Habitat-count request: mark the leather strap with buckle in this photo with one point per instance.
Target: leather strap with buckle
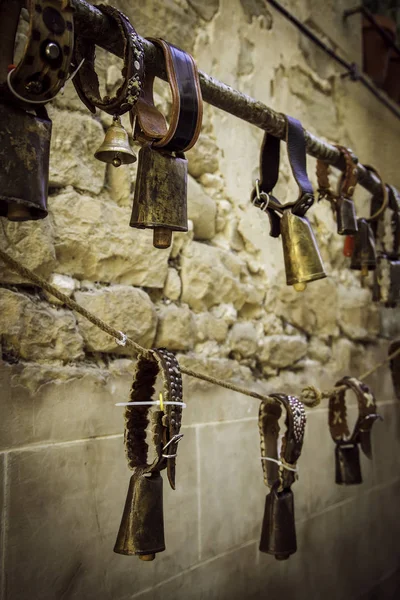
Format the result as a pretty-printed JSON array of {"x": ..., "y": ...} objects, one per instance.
[
  {"x": 165, "y": 424},
  {"x": 187, "y": 104},
  {"x": 45, "y": 64},
  {"x": 86, "y": 80},
  {"x": 269, "y": 172}
]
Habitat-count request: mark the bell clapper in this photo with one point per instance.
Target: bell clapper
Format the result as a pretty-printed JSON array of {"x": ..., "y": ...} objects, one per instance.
[
  {"x": 300, "y": 286},
  {"x": 162, "y": 237},
  {"x": 147, "y": 557},
  {"x": 17, "y": 212}
]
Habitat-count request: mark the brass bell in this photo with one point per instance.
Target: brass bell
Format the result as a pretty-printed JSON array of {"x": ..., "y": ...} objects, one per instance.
[
  {"x": 24, "y": 159},
  {"x": 160, "y": 200},
  {"x": 303, "y": 262},
  {"x": 142, "y": 526},
  {"x": 116, "y": 149},
  {"x": 364, "y": 254}
]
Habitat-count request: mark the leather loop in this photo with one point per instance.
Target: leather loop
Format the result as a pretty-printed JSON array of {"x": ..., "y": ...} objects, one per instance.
[
  {"x": 383, "y": 197},
  {"x": 86, "y": 81},
  {"x": 292, "y": 441},
  {"x": 187, "y": 104},
  {"x": 44, "y": 66},
  {"x": 165, "y": 425},
  {"x": 338, "y": 425}
]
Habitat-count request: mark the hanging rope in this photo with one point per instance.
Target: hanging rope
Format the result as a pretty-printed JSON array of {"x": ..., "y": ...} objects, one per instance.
[{"x": 311, "y": 396}]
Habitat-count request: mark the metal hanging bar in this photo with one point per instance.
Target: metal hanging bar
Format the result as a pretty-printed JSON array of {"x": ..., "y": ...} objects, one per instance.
[{"x": 94, "y": 25}]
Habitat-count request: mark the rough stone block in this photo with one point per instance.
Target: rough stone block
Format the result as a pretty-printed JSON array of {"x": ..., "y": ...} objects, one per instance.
[
  {"x": 64, "y": 284},
  {"x": 202, "y": 210},
  {"x": 313, "y": 310},
  {"x": 243, "y": 339},
  {"x": 66, "y": 504},
  {"x": 173, "y": 285},
  {"x": 176, "y": 328},
  {"x": 283, "y": 350},
  {"x": 126, "y": 308},
  {"x": 357, "y": 316},
  {"x": 210, "y": 276},
  {"x": 93, "y": 241},
  {"x": 75, "y": 138},
  {"x": 31, "y": 243},
  {"x": 210, "y": 327},
  {"x": 36, "y": 331},
  {"x": 203, "y": 157}
]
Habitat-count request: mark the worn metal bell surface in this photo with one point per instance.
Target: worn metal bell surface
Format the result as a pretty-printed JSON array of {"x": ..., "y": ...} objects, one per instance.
[
  {"x": 346, "y": 217},
  {"x": 303, "y": 262},
  {"x": 116, "y": 149},
  {"x": 348, "y": 468},
  {"x": 142, "y": 526},
  {"x": 364, "y": 254},
  {"x": 24, "y": 160},
  {"x": 160, "y": 195},
  {"x": 278, "y": 533}
]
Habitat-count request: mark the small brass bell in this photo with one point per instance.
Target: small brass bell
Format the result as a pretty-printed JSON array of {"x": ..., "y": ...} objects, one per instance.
[
  {"x": 160, "y": 195},
  {"x": 303, "y": 262},
  {"x": 116, "y": 149},
  {"x": 364, "y": 255}
]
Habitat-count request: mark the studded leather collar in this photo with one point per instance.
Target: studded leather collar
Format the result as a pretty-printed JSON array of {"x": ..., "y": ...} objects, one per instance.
[{"x": 165, "y": 425}]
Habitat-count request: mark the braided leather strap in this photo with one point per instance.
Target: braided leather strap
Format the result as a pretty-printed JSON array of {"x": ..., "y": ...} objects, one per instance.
[
  {"x": 367, "y": 415},
  {"x": 45, "y": 64},
  {"x": 86, "y": 81},
  {"x": 187, "y": 104},
  {"x": 165, "y": 425},
  {"x": 347, "y": 182},
  {"x": 275, "y": 474}
]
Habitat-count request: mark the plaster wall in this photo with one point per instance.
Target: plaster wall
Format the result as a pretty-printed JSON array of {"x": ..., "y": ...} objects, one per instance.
[{"x": 218, "y": 298}]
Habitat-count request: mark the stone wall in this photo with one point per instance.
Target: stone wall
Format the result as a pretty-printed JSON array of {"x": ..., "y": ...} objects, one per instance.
[{"x": 218, "y": 298}]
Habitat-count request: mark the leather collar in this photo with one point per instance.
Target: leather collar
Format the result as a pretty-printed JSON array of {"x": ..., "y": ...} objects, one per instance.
[
  {"x": 165, "y": 425},
  {"x": 187, "y": 104},
  {"x": 281, "y": 475},
  {"x": 367, "y": 415},
  {"x": 86, "y": 81}
]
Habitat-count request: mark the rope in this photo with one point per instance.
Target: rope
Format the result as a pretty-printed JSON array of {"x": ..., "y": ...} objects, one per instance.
[{"x": 310, "y": 396}]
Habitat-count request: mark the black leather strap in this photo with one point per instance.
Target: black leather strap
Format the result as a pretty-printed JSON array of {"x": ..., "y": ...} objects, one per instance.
[{"x": 269, "y": 171}]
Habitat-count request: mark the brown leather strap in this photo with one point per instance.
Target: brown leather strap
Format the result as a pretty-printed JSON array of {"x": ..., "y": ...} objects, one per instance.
[
  {"x": 165, "y": 425},
  {"x": 347, "y": 182},
  {"x": 382, "y": 198},
  {"x": 281, "y": 475},
  {"x": 187, "y": 104},
  {"x": 86, "y": 81},
  {"x": 367, "y": 414},
  {"x": 45, "y": 64}
]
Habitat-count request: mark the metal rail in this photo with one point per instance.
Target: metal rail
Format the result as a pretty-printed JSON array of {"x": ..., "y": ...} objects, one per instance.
[{"x": 94, "y": 25}]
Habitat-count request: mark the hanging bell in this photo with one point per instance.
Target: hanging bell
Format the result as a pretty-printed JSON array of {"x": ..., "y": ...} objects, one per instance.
[
  {"x": 278, "y": 533},
  {"x": 346, "y": 216},
  {"x": 303, "y": 262},
  {"x": 142, "y": 526},
  {"x": 347, "y": 459},
  {"x": 116, "y": 149},
  {"x": 24, "y": 159},
  {"x": 364, "y": 255},
  {"x": 160, "y": 201}
]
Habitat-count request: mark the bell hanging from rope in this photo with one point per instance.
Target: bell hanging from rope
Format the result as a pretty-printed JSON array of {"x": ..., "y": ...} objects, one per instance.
[
  {"x": 142, "y": 526},
  {"x": 364, "y": 254},
  {"x": 116, "y": 149},
  {"x": 24, "y": 159},
  {"x": 278, "y": 533},
  {"x": 160, "y": 195},
  {"x": 303, "y": 262}
]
